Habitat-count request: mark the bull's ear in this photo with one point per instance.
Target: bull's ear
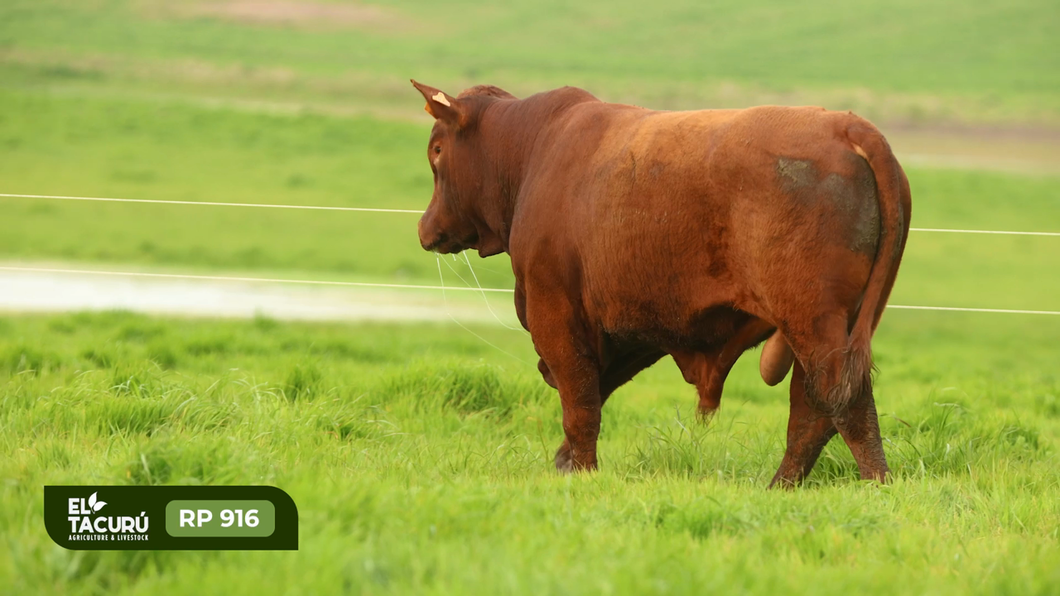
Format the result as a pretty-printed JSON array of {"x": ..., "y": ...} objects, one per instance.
[{"x": 443, "y": 107}]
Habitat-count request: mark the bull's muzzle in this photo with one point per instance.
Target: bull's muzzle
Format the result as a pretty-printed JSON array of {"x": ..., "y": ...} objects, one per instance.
[
  {"x": 437, "y": 236},
  {"x": 430, "y": 240}
]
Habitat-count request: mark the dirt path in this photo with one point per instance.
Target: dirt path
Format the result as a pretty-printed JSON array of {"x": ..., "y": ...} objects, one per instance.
[
  {"x": 1002, "y": 150},
  {"x": 51, "y": 292}
]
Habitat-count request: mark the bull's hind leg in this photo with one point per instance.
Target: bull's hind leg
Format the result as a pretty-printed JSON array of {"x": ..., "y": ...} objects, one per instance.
[
  {"x": 860, "y": 428},
  {"x": 836, "y": 382},
  {"x": 808, "y": 433}
]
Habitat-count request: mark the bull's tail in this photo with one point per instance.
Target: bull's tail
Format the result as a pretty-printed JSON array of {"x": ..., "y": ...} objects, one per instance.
[{"x": 855, "y": 368}]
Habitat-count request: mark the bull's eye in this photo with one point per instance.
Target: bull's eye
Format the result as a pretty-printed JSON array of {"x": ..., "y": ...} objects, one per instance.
[{"x": 438, "y": 149}]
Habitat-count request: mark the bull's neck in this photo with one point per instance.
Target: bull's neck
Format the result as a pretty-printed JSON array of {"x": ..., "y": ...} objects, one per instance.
[
  {"x": 511, "y": 132},
  {"x": 505, "y": 147}
]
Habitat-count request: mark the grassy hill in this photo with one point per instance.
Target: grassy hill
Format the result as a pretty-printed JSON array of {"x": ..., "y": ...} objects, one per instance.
[
  {"x": 944, "y": 59},
  {"x": 114, "y": 148}
]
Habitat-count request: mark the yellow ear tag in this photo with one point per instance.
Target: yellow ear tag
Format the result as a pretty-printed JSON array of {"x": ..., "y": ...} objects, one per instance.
[{"x": 440, "y": 98}]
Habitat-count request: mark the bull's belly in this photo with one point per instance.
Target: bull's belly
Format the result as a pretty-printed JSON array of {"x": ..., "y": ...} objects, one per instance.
[{"x": 694, "y": 313}]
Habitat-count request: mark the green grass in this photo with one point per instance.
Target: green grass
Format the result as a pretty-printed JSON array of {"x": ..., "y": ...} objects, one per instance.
[
  {"x": 911, "y": 60},
  {"x": 420, "y": 460}
]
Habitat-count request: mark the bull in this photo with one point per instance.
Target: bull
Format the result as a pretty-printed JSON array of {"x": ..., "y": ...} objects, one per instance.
[{"x": 636, "y": 234}]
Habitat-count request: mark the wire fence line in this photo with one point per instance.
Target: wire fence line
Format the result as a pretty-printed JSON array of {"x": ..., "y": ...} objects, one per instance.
[
  {"x": 214, "y": 204},
  {"x": 412, "y": 211},
  {"x": 313, "y": 282},
  {"x": 230, "y": 278},
  {"x": 1004, "y": 232},
  {"x": 989, "y": 310}
]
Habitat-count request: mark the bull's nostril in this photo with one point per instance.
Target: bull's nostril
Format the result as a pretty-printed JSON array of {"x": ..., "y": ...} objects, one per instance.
[{"x": 435, "y": 242}]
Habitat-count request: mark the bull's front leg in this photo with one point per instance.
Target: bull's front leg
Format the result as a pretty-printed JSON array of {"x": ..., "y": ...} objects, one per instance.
[
  {"x": 580, "y": 396},
  {"x": 569, "y": 363},
  {"x": 577, "y": 377}
]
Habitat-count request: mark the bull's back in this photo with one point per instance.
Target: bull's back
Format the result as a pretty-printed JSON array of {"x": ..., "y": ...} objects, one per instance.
[{"x": 677, "y": 212}]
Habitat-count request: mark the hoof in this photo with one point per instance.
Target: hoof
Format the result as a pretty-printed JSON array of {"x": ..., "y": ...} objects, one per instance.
[
  {"x": 565, "y": 463},
  {"x": 781, "y": 483},
  {"x": 881, "y": 476},
  {"x": 564, "y": 460},
  {"x": 788, "y": 477}
]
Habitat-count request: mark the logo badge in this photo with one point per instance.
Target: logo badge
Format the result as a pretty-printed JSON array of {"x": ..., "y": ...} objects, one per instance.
[
  {"x": 171, "y": 517},
  {"x": 86, "y": 525}
]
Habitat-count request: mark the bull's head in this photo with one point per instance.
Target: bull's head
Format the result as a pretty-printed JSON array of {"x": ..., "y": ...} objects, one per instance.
[{"x": 461, "y": 214}]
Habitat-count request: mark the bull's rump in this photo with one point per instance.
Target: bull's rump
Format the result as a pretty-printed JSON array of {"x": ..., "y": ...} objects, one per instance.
[{"x": 767, "y": 210}]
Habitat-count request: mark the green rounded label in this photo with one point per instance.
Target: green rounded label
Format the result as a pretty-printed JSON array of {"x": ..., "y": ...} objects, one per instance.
[{"x": 202, "y": 519}]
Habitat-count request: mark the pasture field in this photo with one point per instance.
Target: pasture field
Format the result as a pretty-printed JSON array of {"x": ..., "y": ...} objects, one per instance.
[
  {"x": 420, "y": 460},
  {"x": 420, "y": 456},
  {"x": 96, "y": 147},
  {"x": 308, "y": 103},
  {"x": 941, "y": 60}
]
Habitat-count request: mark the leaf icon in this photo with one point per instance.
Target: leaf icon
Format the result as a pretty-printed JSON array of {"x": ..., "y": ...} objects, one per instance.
[{"x": 95, "y": 505}]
